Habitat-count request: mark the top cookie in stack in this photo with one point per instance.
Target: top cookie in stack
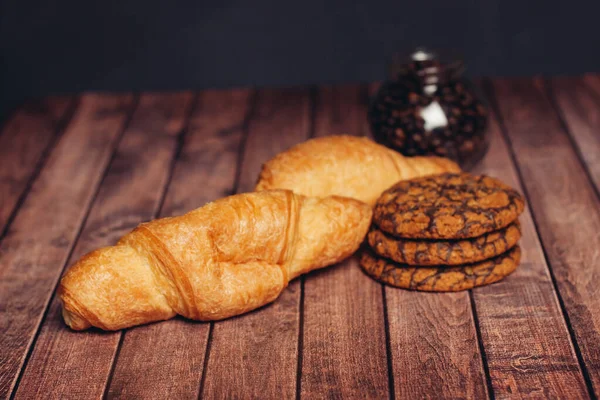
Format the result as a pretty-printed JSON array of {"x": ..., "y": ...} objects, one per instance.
[{"x": 444, "y": 233}]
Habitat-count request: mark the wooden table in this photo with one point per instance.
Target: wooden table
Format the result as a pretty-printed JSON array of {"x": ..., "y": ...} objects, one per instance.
[{"x": 78, "y": 172}]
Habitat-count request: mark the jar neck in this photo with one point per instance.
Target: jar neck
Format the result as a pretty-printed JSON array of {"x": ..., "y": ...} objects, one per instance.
[{"x": 427, "y": 71}]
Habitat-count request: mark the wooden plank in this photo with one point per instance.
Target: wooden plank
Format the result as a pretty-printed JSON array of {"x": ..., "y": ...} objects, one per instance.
[
  {"x": 271, "y": 130},
  {"x": 592, "y": 82},
  {"x": 579, "y": 106},
  {"x": 434, "y": 346},
  {"x": 256, "y": 355},
  {"x": 341, "y": 115},
  {"x": 526, "y": 338},
  {"x": 368, "y": 97},
  {"x": 40, "y": 238},
  {"x": 130, "y": 193},
  {"x": 24, "y": 141},
  {"x": 344, "y": 346},
  {"x": 166, "y": 360}
]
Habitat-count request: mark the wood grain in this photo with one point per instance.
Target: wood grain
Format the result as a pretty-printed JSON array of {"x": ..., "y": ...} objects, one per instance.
[
  {"x": 528, "y": 348},
  {"x": 579, "y": 106},
  {"x": 341, "y": 109},
  {"x": 592, "y": 82},
  {"x": 255, "y": 355},
  {"x": 25, "y": 138},
  {"x": 344, "y": 348},
  {"x": 526, "y": 338},
  {"x": 40, "y": 238},
  {"x": 165, "y": 360},
  {"x": 130, "y": 193},
  {"x": 434, "y": 346}
]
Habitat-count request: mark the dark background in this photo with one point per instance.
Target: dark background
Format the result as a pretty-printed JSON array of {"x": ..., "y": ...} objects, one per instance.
[{"x": 70, "y": 46}]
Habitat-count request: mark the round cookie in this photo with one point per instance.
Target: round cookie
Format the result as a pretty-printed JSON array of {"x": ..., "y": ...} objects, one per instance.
[
  {"x": 447, "y": 206},
  {"x": 444, "y": 252},
  {"x": 440, "y": 279}
]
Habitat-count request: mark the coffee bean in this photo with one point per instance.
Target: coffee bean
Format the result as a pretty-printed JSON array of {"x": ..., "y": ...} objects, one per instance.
[{"x": 396, "y": 122}]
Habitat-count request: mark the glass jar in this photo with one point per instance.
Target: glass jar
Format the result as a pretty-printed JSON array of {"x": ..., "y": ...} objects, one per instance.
[{"x": 429, "y": 108}]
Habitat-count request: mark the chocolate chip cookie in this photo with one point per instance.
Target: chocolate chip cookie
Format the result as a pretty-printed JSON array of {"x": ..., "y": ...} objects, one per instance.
[
  {"x": 447, "y": 206},
  {"x": 441, "y": 278},
  {"x": 444, "y": 252}
]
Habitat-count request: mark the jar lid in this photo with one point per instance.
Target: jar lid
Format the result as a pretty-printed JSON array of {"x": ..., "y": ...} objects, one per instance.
[
  {"x": 431, "y": 67},
  {"x": 422, "y": 54}
]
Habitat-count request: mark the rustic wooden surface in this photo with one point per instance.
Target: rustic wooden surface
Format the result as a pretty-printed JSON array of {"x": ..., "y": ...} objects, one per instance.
[
  {"x": 211, "y": 143},
  {"x": 78, "y": 172},
  {"x": 343, "y": 318},
  {"x": 129, "y": 194},
  {"x": 529, "y": 326},
  {"x": 565, "y": 206},
  {"x": 256, "y": 356}
]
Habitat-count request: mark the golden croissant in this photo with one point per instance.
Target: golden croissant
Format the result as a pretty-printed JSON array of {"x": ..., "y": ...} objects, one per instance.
[
  {"x": 226, "y": 258},
  {"x": 346, "y": 166}
]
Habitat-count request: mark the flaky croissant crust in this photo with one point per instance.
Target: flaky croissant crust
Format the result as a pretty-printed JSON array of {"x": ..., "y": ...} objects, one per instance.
[
  {"x": 347, "y": 166},
  {"x": 226, "y": 258}
]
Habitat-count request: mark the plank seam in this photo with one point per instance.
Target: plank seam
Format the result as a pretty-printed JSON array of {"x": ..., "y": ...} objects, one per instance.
[
  {"x": 482, "y": 354},
  {"x": 388, "y": 345},
  {"x": 56, "y": 135},
  {"x": 552, "y": 100},
  {"x": 494, "y": 104},
  {"x": 365, "y": 99},
  {"x": 549, "y": 92},
  {"x": 113, "y": 365},
  {"x": 300, "y": 341},
  {"x": 591, "y": 92},
  {"x": 181, "y": 138},
  {"x": 312, "y": 95},
  {"x": 253, "y": 100},
  {"x": 365, "y": 130},
  {"x": 313, "y": 99},
  {"x": 240, "y": 154},
  {"x": 10, "y": 113},
  {"x": 209, "y": 340},
  {"x": 176, "y": 154},
  {"x": 46, "y": 307}
]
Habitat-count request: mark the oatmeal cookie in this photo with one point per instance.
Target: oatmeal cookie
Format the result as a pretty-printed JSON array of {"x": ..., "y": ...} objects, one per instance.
[
  {"x": 441, "y": 278},
  {"x": 444, "y": 252},
  {"x": 447, "y": 206}
]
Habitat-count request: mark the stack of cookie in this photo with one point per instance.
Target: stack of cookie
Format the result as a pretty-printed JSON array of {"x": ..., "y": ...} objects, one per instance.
[{"x": 445, "y": 232}]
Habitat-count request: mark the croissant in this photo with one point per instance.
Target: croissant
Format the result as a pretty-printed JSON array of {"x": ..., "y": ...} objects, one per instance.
[
  {"x": 345, "y": 166},
  {"x": 224, "y": 259}
]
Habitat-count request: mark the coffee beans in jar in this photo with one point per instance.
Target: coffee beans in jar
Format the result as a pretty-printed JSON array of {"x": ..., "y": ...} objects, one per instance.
[{"x": 428, "y": 108}]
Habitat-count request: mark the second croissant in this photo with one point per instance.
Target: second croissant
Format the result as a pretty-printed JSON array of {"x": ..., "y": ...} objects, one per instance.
[{"x": 347, "y": 166}]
